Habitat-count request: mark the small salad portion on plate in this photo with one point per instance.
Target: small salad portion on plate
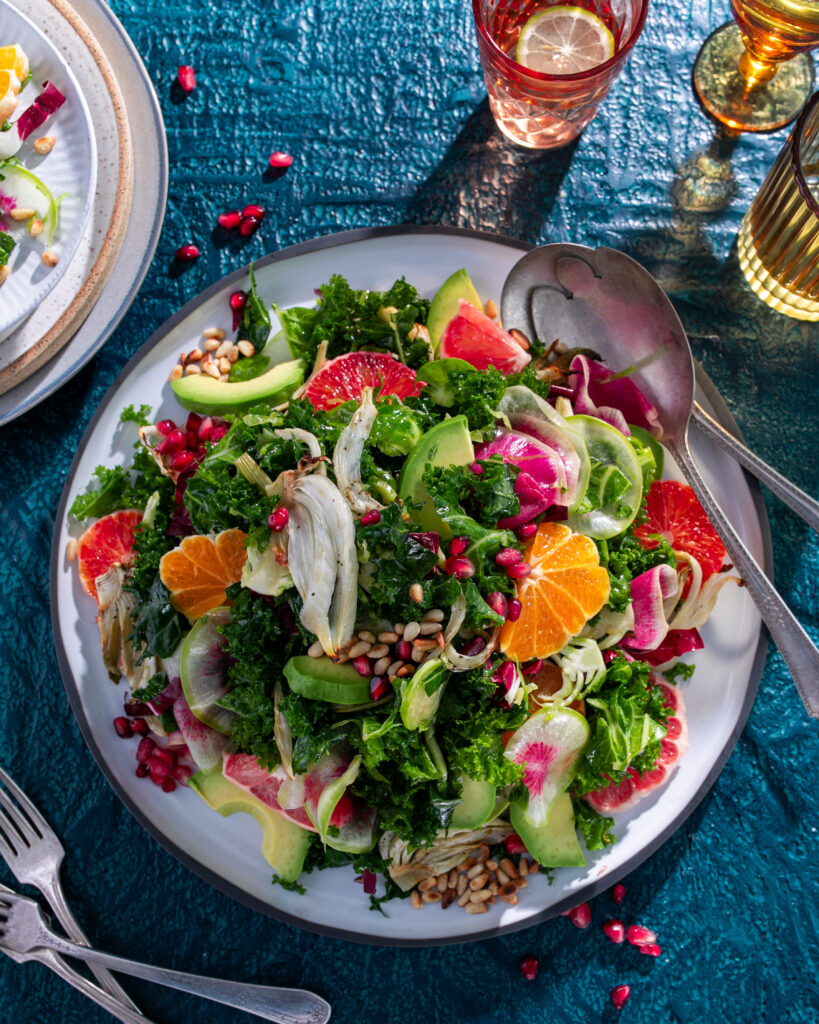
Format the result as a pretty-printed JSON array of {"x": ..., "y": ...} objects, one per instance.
[{"x": 407, "y": 588}]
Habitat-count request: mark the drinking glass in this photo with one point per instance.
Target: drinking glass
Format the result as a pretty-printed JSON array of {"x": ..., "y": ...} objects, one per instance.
[
  {"x": 754, "y": 74},
  {"x": 778, "y": 243},
  {"x": 536, "y": 109}
]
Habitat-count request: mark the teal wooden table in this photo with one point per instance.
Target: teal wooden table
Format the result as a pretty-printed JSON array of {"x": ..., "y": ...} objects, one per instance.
[{"x": 383, "y": 108}]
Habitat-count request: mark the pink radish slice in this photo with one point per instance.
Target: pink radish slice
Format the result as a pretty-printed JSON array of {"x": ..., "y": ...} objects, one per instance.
[
  {"x": 472, "y": 336},
  {"x": 206, "y": 746},
  {"x": 541, "y": 482}
]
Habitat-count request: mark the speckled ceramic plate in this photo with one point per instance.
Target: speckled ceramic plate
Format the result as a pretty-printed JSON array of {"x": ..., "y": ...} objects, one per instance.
[
  {"x": 69, "y": 170},
  {"x": 226, "y": 851}
]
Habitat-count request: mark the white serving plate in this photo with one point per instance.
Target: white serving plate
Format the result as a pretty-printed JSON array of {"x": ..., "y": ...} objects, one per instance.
[
  {"x": 70, "y": 169},
  {"x": 226, "y": 851}
]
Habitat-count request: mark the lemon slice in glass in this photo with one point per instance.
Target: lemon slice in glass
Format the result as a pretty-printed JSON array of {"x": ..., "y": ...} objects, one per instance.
[{"x": 564, "y": 41}]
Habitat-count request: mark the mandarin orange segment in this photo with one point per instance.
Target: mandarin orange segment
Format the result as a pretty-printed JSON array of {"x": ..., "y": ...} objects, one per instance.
[
  {"x": 13, "y": 58},
  {"x": 200, "y": 570},
  {"x": 566, "y": 587}
]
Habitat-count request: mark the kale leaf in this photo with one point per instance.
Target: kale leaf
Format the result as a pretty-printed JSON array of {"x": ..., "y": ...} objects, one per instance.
[
  {"x": 625, "y": 558},
  {"x": 597, "y": 830}
]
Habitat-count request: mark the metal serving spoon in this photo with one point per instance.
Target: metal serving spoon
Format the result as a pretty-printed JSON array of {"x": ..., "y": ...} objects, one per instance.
[{"x": 603, "y": 299}]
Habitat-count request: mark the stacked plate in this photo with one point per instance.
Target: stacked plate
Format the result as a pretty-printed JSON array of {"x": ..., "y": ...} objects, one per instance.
[{"x": 53, "y": 321}]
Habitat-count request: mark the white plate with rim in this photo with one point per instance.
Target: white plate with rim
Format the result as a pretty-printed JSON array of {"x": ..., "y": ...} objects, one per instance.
[
  {"x": 69, "y": 170},
  {"x": 225, "y": 852}
]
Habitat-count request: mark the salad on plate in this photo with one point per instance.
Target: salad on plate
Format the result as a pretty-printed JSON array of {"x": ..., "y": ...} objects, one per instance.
[{"x": 408, "y": 588}]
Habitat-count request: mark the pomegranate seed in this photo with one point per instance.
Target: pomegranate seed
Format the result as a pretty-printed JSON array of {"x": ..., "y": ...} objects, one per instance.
[
  {"x": 193, "y": 421},
  {"x": 508, "y": 556},
  {"x": 515, "y": 608},
  {"x": 378, "y": 687},
  {"x": 139, "y": 727},
  {"x": 278, "y": 519},
  {"x": 175, "y": 441},
  {"x": 186, "y": 253},
  {"x": 165, "y": 427},
  {"x": 158, "y": 771},
  {"x": 182, "y": 461},
  {"x": 363, "y": 666},
  {"x": 238, "y": 301},
  {"x": 166, "y": 756},
  {"x": 205, "y": 428},
  {"x": 123, "y": 728},
  {"x": 618, "y": 893},
  {"x": 218, "y": 432},
  {"x": 619, "y": 996},
  {"x": 475, "y": 646},
  {"x": 652, "y": 949},
  {"x": 230, "y": 219},
  {"x": 640, "y": 936},
  {"x": 580, "y": 916},
  {"x": 404, "y": 650},
  {"x": 371, "y": 518},
  {"x": 249, "y": 226},
  {"x": 136, "y": 709},
  {"x": 145, "y": 749},
  {"x": 181, "y": 772},
  {"x": 508, "y": 676},
  {"x": 533, "y": 667},
  {"x": 519, "y": 571},
  {"x": 458, "y": 545},
  {"x": 192, "y": 440},
  {"x": 279, "y": 159},
  {"x": 514, "y": 844},
  {"x": 498, "y": 603},
  {"x": 525, "y": 531},
  {"x": 529, "y": 966},
  {"x": 615, "y": 930},
  {"x": 253, "y": 210},
  {"x": 461, "y": 568},
  {"x": 141, "y": 770},
  {"x": 186, "y": 78},
  {"x": 168, "y": 785}
]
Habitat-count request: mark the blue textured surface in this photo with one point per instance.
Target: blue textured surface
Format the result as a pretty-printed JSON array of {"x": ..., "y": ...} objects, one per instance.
[{"x": 383, "y": 108}]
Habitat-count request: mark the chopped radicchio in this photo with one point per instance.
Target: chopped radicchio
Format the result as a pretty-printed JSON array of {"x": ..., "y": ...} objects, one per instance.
[{"x": 47, "y": 103}]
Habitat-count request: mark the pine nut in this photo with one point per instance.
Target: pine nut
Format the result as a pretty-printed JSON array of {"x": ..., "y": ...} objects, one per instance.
[
  {"x": 405, "y": 670},
  {"x": 223, "y": 349},
  {"x": 425, "y": 645},
  {"x": 246, "y": 347},
  {"x": 493, "y": 888},
  {"x": 509, "y": 867},
  {"x": 521, "y": 883},
  {"x": 4, "y": 272},
  {"x": 453, "y": 878},
  {"x": 233, "y": 353},
  {"x": 520, "y": 338},
  {"x": 443, "y": 883},
  {"x": 176, "y": 372},
  {"x": 393, "y": 668},
  {"x": 378, "y": 650},
  {"x": 434, "y": 615},
  {"x": 490, "y": 309},
  {"x": 430, "y": 628},
  {"x": 192, "y": 369},
  {"x": 224, "y": 378},
  {"x": 417, "y": 654},
  {"x": 412, "y": 629},
  {"x": 213, "y": 334},
  {"x": 482, "y": 855},
  {"x": 49, "y": 258},
  {"x": 388, "y": 638},
  {"x": 362, "y": 647},
  {"x": 381, "y": 666},
  {"x": 534, "y": 868},
  {"x": 315, "y": 650},
  {"x": 439, "y": 639},
  {"x": 480, "y": 896},
  {"x": 427, "y": 883},
  {"x": 524, "y": 867},
  {"x": 44, "y": 145},
  {"x": 476, "y": 908},
  {"x": 35, "y": 227},
  {"x": 510, "y": 899},
  {"x": 465, "y": 865},
  {"x": 416, "y": 593},
  {"x": 399, "y": 628},
  {"x": 502, "y": 877},
  {"x": 479, "y": 881},
  {"x": 475, "y": 871},
  {"x": 211, "y": 369},
  {"x": 463, "y": 899},
  {"x": 432, "y": 896},
  {"x": 416, "y": 900},
  {"x": 506, "y": 891},
  {"x": 461, "y": 884},
  {"x": 447, "y": 899},
  {"x": 365, "y": 634},
  {"x": 224, "y": 365},
  {"x": 491, "y": 865},
  {"x": 210, "y": 344},
  {"x": 71, "y": 549},
  {"x": 22, "y": 213},
  {"x": 194, "y": 355}
]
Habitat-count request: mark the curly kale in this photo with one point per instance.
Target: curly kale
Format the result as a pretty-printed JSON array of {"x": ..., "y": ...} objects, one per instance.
[{"x": 625, "y": 558}]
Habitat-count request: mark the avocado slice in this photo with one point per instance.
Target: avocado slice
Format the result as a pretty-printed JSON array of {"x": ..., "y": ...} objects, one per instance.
[
  {"x": 322, "y": 679},
  {"x": 553, "y": 844},
  {"x": 446, "y": 444},
  {"x": 444, "y": 305},
  {"x": 284, "y": 844},
  {"x": 476, "y": 806},
  {"x": 203, "y": 394}
]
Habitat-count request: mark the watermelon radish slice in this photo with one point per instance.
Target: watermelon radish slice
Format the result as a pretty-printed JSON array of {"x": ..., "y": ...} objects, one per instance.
[
  {"x": 329, "y": 805},
  {"x": 472, "y": 336},
  {"x": 548, "y": 744},
  {"x": 619, "y": 797},
  {"x": 344, "y": 378},
  {"x": 244, "y": 771},
  {"x": 541, "y": 482},
  {"x": 204, "y": 668},
  {"x": 206, "y": 746}
]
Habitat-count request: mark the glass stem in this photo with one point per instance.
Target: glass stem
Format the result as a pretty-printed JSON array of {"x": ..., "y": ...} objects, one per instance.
[{"x": 755, "y": 71}]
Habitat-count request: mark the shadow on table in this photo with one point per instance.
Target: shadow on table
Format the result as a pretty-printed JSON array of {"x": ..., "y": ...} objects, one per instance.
[{"x": 487, "y": 183}]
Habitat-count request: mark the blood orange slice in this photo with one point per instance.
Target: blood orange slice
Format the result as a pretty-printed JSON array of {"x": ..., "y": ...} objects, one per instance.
[
  {"x": 345, "y": 377},
  {"x": 674, "y": 512},
  {"x": 472, "y": 336},
  {"x": 110, "y": 541}
]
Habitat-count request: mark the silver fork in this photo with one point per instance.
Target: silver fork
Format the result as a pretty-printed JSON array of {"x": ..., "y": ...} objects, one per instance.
[
  {"x": 88, "y": 988},
  {"x": 32, "y": 850},
  {"x": 23, "y": 929}
]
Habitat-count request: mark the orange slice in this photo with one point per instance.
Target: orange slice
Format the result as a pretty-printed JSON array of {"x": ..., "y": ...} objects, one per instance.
[
  {"x": 109, "y": 541},
  {"x": 200, "y": 570},
  {"x": 12, "y": 58},
  {"x": 9, "y": 87},
  {"x": 565, "y": 589}
]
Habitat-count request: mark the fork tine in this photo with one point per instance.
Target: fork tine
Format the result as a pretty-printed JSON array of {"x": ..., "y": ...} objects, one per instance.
[
  {"x": 37, "y": 820},
  {"x": 17, "y": 818},
  {"x": 6, "y": 852}
]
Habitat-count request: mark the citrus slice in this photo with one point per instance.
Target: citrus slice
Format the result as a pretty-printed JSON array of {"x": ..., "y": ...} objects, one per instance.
[
  {"x": 564, "y": 41},
  {"x": 474, "y": 337},
  {"x": 110, "y": 541},
  {"x": 9, "y": 88},
  {"x": 200, "y": 570},
  {"x": 674, "y": 512},
  {"x": 565, "y": 588},
  {"x": 345, "y": 377},
  {"x": 12, "y": 58}
]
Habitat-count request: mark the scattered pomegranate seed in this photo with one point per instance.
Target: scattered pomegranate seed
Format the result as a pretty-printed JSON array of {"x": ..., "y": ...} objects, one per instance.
[
  {"x": 652, "y": 949},
  {"x": 529, "y": 967},
  {"x": 182, "y": 461},
  {"x": 580, "y": 916},
  {"x": 249, "y": 226},
  {"x": 525, "y": 531},
  {"x": 498, "y": 603},
  {"x": 145, "y": 749},
  {"x": 278, "y": 519},
  {"x": 459, "y": 567},
  {"x": 168, "y": 785},
  {"x": 379, "y": 687},
  {"x": 163, "y": 754},
  {"x": 515, "y": 608},
  {"x": 519, "y": 571},
  {"x": 533, "y": 667},
  {"x": 508, "y": 556},
  {"x": 158, "y": 771},
  {"x": 615, "y": 930},
  {"x": 139, "y": 727},
  {"x": 475, "y": 646},
  {"x": 619, "y": 996},
  {"x": 175, "y": 441},
  {"x": 186, "y": 78},
  {"x": 363, "y": 666},
  {"x": 638, "y": 935},
  {"x": 238, "y": 301},
  {"x": 141, "y": 770},
  {"x": 186, "y": 253},
  {"x": 458, "y": 545},
  {"x": 254, "y": 210},
  {"x": 514, "y": 844},
  {"x": 136, "y": 709},
  {"x": 165, "y": 427},
  {"x": 123, "y": 728},
  {"x": 181, "y": 772},
  {"x": 230, "y": 219},
  {"x": 371, "y": 518},
  {"x": 404, "y": 650},
  {"x": 618, "y": 893},
  {"x": 278, "y": 159}
]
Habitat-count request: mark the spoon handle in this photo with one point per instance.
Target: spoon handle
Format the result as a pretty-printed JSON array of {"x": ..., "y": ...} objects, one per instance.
[
  {"x": 795, "y": 646},
  {"x": 802, "y": 504}
]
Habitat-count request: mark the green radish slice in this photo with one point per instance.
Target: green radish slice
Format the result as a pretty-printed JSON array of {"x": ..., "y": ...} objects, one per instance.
[
  {"x": 548, "y": 744},
  {"x": 615, "y": 488},
  {"x": 203, "y": 669}
]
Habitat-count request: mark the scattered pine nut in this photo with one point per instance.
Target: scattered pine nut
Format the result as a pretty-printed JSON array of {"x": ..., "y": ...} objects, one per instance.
[
  {"x": 520, "y": 338},
  {"x": 213, "y": 334},
  {"x": 412, "y": 629},
  {"x": 480, "y": 896},
  {"x": 443, "y": 883},
  {"x": 315, "y": 650},
  {"x": 22, "y": 213},
  {"x": 416, "y": 593},
  {"x": 194, "y": 356},
  {"x": 176, "y": 372},
  {"x": 491, "y": 309},
  {"x": 210, "y": 344},
  {"x": 491, "y": 865},
  {"x": 509, "y": 867},
  {"x": 476, "y": 908},
  {"x": 35, "y": 227},
  {"x": 447, "y": 898},
  {"x": 4, "y": 272},
  {"x": 223, "y": 349},
  {"x": 246, "y": 348},
  {"x": 433, "y": 615},
  {"x": 224, "y": 365},
  {"x": 212, "y": 370},
  {"x": 416, "y": 900},
  {"x": 233, "y": 353},
  {"x": 71, "y": 549},
  {"x": 475, "y": 871},
  {"x": 44, "y": 145},
  {"x": 49, "y": 258},
  {"x": 432, "y": 896},
  {"x": 426, "y": 884},
  {"x": 192, "y": 369}
]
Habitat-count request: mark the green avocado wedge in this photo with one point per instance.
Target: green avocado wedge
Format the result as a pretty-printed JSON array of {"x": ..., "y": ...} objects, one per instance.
[
  {"x": 322, "y": 679},
  {"x": 444, "y": 304},
  {"x": 476, "y": 805},
  {"x": 553, "y": 844},
  {"x": 446, "y": 444},
  {"x": 203, "y": 394},
  {"x": 284, "y": 844}
]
